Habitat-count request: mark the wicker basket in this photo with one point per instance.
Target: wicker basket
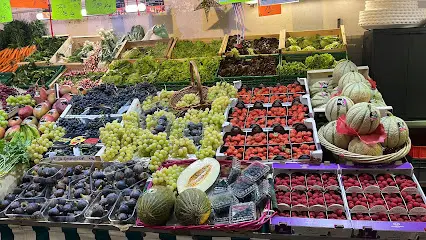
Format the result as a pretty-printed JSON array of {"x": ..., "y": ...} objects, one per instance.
[
  {"x": 358, "y": 158},
  {"x": 195, "y": 88}
]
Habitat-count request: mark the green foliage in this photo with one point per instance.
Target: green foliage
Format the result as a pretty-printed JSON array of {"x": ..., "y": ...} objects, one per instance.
[
  {"x": 189, "y": 49},
  {"x": 46, "y": 47},
  {"x": 146, "y": 65},
  {"x": 309, "y": 48},
  {"x": 319, "y": 61},
  {"x": 82, "y": 52},
  {"x": 291, "y": 69},
  {"x": 30, "y": 74},
  {"x": 316, "y": 41},
  {"x": 156, "y": 51},
  {"x": 20, "y": 33},
  {"x": 174, "y": 71},
  {"x": 136, "y": 33},
  {"x": 133, "y": 53}
]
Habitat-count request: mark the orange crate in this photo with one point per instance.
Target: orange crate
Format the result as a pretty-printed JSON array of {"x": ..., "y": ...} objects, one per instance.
[{"x": 418, "y": 152}]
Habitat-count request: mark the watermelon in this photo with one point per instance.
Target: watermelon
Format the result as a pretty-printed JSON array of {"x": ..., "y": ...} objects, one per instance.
[
  {"x": 335, "y": 138},
  {"x": 351, "y": 77},
  {"x": 320, "y": 86},
  {"x": 357, "y": 91},
  {"x": 359, "y": 147},
  {"x": 320, "y": 99},
  {"x": 192, "y": 207},
  {"x": 342, "y": 68},
  {"x": 363, "y": 118},
  {"x": 337, "y": 106},
  {"x": 396, "y": 130},
  {"x": 155, "y": 206}
]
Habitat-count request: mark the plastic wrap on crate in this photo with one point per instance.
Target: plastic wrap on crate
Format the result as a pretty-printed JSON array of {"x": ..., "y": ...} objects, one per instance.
[
  {"x": 133, "y": 106},
  {"x": 315, "y": 155}
]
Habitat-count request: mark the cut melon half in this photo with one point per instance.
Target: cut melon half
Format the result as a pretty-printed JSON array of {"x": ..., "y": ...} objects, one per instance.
[{"x": 201, "y": 174}]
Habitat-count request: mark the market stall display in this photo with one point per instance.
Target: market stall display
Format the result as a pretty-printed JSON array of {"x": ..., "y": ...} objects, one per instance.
[
  {"x": 75, "y": 49},
  {"x": 191, "y": 48},
  {"x": 137, "y": 49},
  {"x": 253, "y": 44}
]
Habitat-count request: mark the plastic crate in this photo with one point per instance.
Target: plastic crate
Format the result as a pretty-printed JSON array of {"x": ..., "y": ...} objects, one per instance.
[
  {"x": 58, "y": 70},
  {"x": 418, "y": 152},
  {"x": 5, "y": 77}
]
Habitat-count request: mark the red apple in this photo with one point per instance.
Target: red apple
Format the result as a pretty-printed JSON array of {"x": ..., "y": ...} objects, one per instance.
[
  {"x": 14, "y": 121},
  {"x": 74, "y": 90},
  {"x": 64, "y": 89},
  {"x": 30, "y": 120},
  {"x": 47, "y": 118},
  {"x": 51, "y": 98},
  {"x": 2, "y": 131},
  {"x": 40, "y": 110},
  {"x": 49, "y": 105},
  {"x": 60, "y": 105},
  {"x": 25, "y": 112},
  {"x": 54, "y": 113},
  {"x": 40, "y": 95},
  {"x": 8, "y": 134},
  {"x": 67, "y": 97}
]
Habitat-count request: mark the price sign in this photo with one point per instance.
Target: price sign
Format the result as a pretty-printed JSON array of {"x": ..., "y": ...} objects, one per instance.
[
  {"x": 269, "y": 10},
  {"x": 94, "y": 7},
  {"x": 29, "y": 4},
  {"x": 231, "y": 1},
  {"x": 273, "y": 2},
  {"x": 155, "y": 6},
  {"x": 66, "y": 9},
  {"x": 5, "y": 11}
]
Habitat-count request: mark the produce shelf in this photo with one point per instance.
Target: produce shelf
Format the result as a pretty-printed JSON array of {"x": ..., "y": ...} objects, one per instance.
[
  {"x": 47, "y": 63},
  {"x": 127, "y": 45}
]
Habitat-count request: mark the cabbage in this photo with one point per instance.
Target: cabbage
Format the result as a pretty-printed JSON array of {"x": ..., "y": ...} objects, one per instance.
[
  {"x": 294, "y": 48},
  {"x": 334, "y": 45},
  {"x": 309, "y": 48}
]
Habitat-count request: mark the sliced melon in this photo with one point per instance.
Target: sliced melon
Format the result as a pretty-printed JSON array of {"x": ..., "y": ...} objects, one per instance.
[{"x": 201, "y": 174}]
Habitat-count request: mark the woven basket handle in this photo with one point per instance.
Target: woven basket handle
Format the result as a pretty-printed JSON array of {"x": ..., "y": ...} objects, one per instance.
[{"x": 194, "y": 71}]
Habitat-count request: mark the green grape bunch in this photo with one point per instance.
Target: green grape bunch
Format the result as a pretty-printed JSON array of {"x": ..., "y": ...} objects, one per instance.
[
  {"x": 181, "y": 147},
  {"x": 188, "y": 100},
  {"x": 221, "y": 89},
  {"x": 20, "y": 100},
  {"x": 38, "y": 147},
  {"x": 167, "y": 177}
]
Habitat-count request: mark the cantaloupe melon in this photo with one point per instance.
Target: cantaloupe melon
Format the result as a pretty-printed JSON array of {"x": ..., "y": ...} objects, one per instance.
[
  {"x": 330, "y": 86},
  {"x": 363, "y": 118},
  {"x": 337, "y": 106},
  {"x": 342, "y": 68},
  {"x": 320, "y": 99},
  {"x": 351, "y": 77},
  {"x": 200, "y": 174},
  {"x": 357, "y": 91},
  {"x": 192, "y": 207},
  {"x": 334, "y": 91},
  {"x": 332, "y": 136},
  {"x": 396, "y": 130},
  {"x": 359, "y": 147},
  {"x": 320, "y": 86},
  {"x": 155, "y": 205}
]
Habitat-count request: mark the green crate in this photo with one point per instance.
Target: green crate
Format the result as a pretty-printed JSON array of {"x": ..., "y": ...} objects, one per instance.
[
  {"x": 58, "y": 70},
  {"x": 237, "y": 78},
  {"x": 179, "y": 85},
  {"x": 5, "y": 77},
  {"x": 267, "y": 81},
  {"x": 302, "y": 56}
]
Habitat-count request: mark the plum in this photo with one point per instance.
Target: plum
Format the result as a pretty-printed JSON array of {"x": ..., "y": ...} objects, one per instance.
[
  {"x": 130, "y": 181},
  {"x": 32, "y": 208},
  {"x": 103, "y": 202},
  {"x": 128, "y": 173},
  {"x": 62, "y": 201},
  {"x": 59, "y": 193},
  {"x": 124, "y": 209},
  {"x": 68, "y": 171},
  {"x": 138, "y": 168},
  {"x": 10, "y": 197},
  {"x": 4, "y": 204},
  {"x": 121, "y": 184},
  {"x": 119, "y": 176},
  {"x": 18, "y": 210},
  {"x": 29, "y": 194},
  {"x": 81, "y": 204},
  {"x": 61, "y": 185},
  {"x": 99, "y": 183},
  {"x": 98, "y": 174},
  {"x": 97, "y": 211},
  {"x": 131, "y": 203},
  {"x": 126, "y": 192},
  {"x": 53, "y": 212},
  {"x": 111, "y": 198},
  {"x": 135, "y": 194},
  {"x": 78, "y": 193},
  {"x": 67, "y": 208},
  {"x": 122, "y": 217},
  {"x": 78, "y": 170}
]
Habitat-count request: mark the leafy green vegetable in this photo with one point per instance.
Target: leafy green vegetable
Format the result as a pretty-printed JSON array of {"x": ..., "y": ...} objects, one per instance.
[
  {"x": 12, "y": 153},
  {"x": 189, "y": 49},
  {"x": 136, "y": 33},
  {"x": 173, "y": 71},
  {"x": 82, "y": 52},
  {"x": 319, "y": 61},
  {"x": 20, "y": 33},
  {"x": 145, "y": 65},
  {"x": 30, "y": 74},
  {"x": 156, "y": 51},
  {"x": 315, "y": 41},
  {"x": 133, "y": 53},
  {"x": 291, "y": 69},
  {"x": 46, "y": 47}
]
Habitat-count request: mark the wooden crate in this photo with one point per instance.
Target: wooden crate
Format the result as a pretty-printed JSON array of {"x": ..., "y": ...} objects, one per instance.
[
  {"x": 326, "y": 32},
  {"x": 280, "y": 37},
  {"x": 46, "y": 63},
  {"x": 69, "y": 46},
  {"x": 137, "y": 44},
  {"x": 206, "y": 40}
]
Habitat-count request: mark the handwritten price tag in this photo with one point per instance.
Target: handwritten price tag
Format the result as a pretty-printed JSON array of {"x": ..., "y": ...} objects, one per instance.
[
  {"x": 66, "y": 9},
  {"x": 97, "y": 7},
  {"x": 269, "y": 10},
  {"x": 5, "y": 11}
]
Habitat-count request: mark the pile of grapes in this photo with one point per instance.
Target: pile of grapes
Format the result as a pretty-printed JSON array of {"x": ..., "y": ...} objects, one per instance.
[{"x": 88, "y": 128}]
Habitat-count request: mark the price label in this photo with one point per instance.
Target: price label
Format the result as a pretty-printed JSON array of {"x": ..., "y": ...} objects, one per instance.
[
  {"x": 66, "y": 9},
  {"x": 5, "y": 11},
  {"x": 97, "y": 7}
]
